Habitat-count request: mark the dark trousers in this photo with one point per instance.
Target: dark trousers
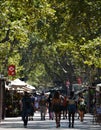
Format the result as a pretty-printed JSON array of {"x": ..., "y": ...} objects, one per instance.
[
  {"x": 71, "y": 118},
  {"x": 25, "y": 117}
]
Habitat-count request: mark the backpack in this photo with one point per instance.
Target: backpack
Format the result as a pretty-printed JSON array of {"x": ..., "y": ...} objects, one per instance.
[
  {"x": 57, "y": 106},
  {"x": 82, "y": 106},
  {"x": 43, "y": 101}
]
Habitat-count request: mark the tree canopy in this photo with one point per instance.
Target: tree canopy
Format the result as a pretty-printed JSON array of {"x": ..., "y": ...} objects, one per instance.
[{"x": 51, "y": 41}]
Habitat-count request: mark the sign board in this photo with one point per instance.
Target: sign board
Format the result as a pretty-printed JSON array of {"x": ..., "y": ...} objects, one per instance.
[{"x": 11, "y": 70}]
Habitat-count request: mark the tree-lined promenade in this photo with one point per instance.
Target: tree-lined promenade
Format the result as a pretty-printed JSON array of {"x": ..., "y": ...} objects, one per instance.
[{"x": 50, "y": 42}]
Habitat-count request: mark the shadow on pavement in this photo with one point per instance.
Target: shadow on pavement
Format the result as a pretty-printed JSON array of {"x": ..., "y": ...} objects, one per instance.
[{"x": 17, "y": 123}]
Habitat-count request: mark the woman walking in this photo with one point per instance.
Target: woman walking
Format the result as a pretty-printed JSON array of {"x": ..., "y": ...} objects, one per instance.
[
  {"x": 56, "y": 103},
  {"x": 71, "y": 109},
  {"x": 81, "y": 107},
  {"x": 49, "y": 100},
  {"x": 43, "y": 106}
]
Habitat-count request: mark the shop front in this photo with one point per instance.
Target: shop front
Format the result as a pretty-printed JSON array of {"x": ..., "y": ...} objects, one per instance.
[{"x": 2, "y": 98}]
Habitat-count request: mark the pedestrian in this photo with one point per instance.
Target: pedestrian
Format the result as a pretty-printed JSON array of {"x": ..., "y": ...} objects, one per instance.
[
  {"x": 43, "y": 106},
  {"x": 36, "y": 102},
  {"x": 56, "y": 104},
  {"x": 71, "y": 109},
  {"x": 50, "y": 110},
  {"x": 26, "y": 108},
  {"x": 81, "y": 107},
  {"x": 32, "y": 108},
  {"x": 65, "y": 101}
]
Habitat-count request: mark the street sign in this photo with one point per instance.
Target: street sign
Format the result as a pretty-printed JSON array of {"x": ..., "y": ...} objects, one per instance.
[{"x": 11, "y": 70}]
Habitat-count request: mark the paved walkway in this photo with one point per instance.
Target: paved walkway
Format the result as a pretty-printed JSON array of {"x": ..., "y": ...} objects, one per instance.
[{"x": 36, "y": 124}]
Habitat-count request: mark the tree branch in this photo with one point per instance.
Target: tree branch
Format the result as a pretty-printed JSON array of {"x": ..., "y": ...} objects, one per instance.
[{"x": 6, "y": 37}]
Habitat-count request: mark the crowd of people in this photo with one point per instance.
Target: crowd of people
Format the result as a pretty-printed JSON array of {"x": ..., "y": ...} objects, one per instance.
[{"x": 58, "y": 106}]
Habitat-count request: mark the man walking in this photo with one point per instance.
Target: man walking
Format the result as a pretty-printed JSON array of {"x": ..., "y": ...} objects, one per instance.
[{"x": 26, "y": 108}]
